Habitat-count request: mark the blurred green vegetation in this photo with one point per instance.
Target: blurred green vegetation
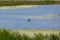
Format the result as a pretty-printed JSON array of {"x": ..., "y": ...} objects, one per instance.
[
  {"x": 10, "y": 35},
  {"x": 14, "y": 3}
]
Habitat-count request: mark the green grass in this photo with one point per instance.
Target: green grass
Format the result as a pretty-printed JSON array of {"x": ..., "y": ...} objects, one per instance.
[
  {"x": 14, "y": 3},
  {"x": 10, "y": 35}
]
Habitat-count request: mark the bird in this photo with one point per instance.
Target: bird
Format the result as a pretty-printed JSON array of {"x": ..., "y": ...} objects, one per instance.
[{"x": 29, "y": 20}]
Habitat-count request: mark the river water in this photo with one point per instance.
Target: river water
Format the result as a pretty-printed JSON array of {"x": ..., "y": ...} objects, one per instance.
[{"x": 18, "y": 18}]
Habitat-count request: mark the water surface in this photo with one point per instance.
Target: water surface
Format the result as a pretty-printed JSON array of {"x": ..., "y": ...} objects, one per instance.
[{"x": 18, "y": 18}]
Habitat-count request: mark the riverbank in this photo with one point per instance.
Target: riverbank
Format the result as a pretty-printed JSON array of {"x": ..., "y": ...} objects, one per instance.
[
  {"x": 23, "y": 6},
  {"x": 15, "y": 3},
  {"x": 31, "y": 32},
  {"x": 19, "y": 6},
  {"x": 11, "y": 35}
]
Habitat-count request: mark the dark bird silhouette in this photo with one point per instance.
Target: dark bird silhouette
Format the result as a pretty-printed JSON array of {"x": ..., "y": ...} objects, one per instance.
[{"x": 29, "y": 20}]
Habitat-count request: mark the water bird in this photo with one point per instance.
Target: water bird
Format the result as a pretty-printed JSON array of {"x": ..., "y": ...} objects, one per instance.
[{"x": 29, "y": 20}]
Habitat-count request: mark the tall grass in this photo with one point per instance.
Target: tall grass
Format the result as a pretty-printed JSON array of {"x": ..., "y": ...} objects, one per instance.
[
  {"x": 14, "y": 3},
  {"x": 10, "y": 35}
]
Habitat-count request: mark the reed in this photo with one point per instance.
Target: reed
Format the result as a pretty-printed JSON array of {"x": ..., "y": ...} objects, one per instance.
[
  {"x": 10, "y": 35},
  {"x": 14, "y": 3}
]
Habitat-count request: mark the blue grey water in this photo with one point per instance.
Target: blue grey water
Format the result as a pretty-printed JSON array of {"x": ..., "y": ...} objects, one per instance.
[{"x": 13, "y": 19}]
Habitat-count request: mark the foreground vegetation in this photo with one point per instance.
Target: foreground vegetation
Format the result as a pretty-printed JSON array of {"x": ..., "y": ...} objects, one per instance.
[
  {"x": 14, "y": 3},
  {"x": 10, "y": 35}
]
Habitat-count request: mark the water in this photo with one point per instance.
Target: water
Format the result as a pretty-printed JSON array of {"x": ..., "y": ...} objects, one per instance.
[{"x": 18, "y": 18}]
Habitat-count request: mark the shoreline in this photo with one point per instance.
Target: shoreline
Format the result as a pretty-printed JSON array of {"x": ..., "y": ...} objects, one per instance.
[
  {"x": 23, "y": 6},
  {"x": 32, "y": 32},
  {"x": 19, "y": 6}
]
